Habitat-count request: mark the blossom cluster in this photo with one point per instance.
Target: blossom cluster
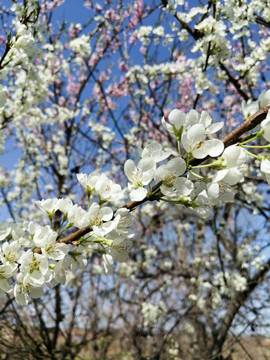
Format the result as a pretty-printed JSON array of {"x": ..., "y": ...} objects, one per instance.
[
  {"x": 38, "y": 255},
  {"x": 38, "y": 258},
  {"x": 181, "y": 183}
]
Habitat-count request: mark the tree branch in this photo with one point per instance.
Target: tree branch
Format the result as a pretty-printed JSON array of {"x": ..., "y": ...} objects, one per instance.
[{"x": 228, "y": 140}]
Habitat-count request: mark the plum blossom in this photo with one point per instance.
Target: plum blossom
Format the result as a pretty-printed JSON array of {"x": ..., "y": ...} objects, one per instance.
[
  {"x": 9, "y": 252},
  {"x": 192, "y": 141},
  {"x": 192, "y": 130},
  {"x": 143, "y": 34},
  {"x": 81, "y": 45},
  {"x": 100, "y": 220},
  {"x": 159, "y": 31},
  {"x": 169, "y": 173},
  {"x": 7, "y": 270},
  {"x": 44, "y": 236},
  {"x": 5, "y": 230},
  {"x": 182, "y": 187},
  {"x": 78, "y": 258},
  {"x": 35, "y": 268},
  {"x": 23, "y": 289},
  {"x": 54, "y": 77},
  {"x": 55, "y": 251},
  {"x": 108, "y": 263},
  {"x": 249, "y": 108},
  {"x": 60, "y": 270},
  {"x": 139, "y": 175},
  {"x": 126, "y": 220},
  {"x": 264, "y": 98},
  {"x": 48, "y": 206},
  {"x": 64, "y": 205},
  {"x": 153, "y": 313},
  {"x": 107, "y": 190},
  {"x": 118, "y": 251},
  {"x": 265, "y": 168},
  {"x": 206, "y": 121},
  {"x": 24, "y": 44},
  {"x": 3, "y": 95},
  {"x": 220, "y": 192},
  {"x": 265, "y": 125},
  {"x": 177, "y": 120},
  {"x": 77, "y": 216},
  {"x": 233, "y": 159},
  {"x": 155, "y": 151},
  {"x": 88, "y": 181},
  {"x": 98, "y": 214}
]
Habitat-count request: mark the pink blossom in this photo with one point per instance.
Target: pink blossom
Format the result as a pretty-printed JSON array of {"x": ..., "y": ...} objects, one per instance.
[
  {"x": 61, "y": 101},
  {"x": 137, "y": 14},
  {"x": 143, "y": 50},
  {"x": 72, "y": 87},
  {"x": 175, "y": 54},
  {"x": 73, "y": 30},
  {"x": 111, "y": 15},
  {"x": 2, "y": 40},
  {"x": 122, "y": 66},
  {"x": 166, "y": 113},
  {"x": 116, "y": 44},
  {"x": 96, "y": 91},
  {"x": 152, "y": 85},
  {"x": 144, "y": 118},
  {"x": 103, "y": 119},
  {"x": 102, "y": 77},
  {"x": 52, "y": 5},
  {"x": 93, "y": 60},
  {"x": 100, "y": 49},
  {"x": 151, "y": 101},
  {"x": 133, "y": 38},
  {"x": 109, "y": 104}
]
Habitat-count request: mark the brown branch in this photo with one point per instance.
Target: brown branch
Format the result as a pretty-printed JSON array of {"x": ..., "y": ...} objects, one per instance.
[
  {"x": 247, "y": 125},
  {"x": 235, "y": 135},
  {"x": 70, "y": 238},
  {"x": 75, "y": 236},
  {"x": 230, "y": 139}
]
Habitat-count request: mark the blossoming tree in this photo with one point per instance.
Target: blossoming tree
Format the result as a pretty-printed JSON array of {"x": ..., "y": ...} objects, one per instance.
[{"x": 135, "y": 174}]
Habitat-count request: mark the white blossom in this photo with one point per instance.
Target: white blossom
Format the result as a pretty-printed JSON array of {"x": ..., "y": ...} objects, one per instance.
[
  {"x": 265, "y": 168},
  {"x": 7, "y": 270},
  {"x": 139, "y": 175},
  {"x": 81, "y": 45},
  {"x": 192, "y": 141},
  {"x": 5, "y": 230},
  {"x": 44, "y": 236},
  {"x": 264, "y": 98},
  {"x": 48, "y": 206},
  {"x": 107, "y": 190},
  {"x": 153, "y": 313},
  {"x": 233, "y": 158},
  {"x": 88, "y": 181},
  {"x": 249, "y": 108},
  {"x": 265, "y": 125},
  {"x": 155, "y": 152}
]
